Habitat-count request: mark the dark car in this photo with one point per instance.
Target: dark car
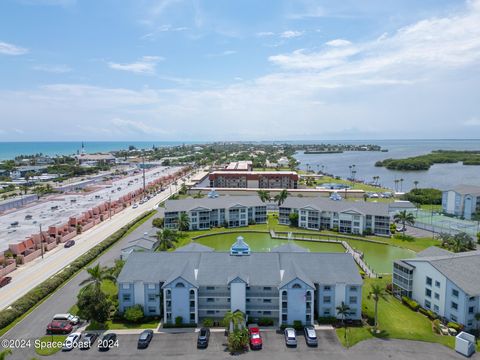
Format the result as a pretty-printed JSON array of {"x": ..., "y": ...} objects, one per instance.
[
  {"x": 69, "y": 243},
  {"x": 5, "y": 281},
  {"x": 203, "y": 338},
  {"x": 87, "y": 341},
  {"x": 59, "y": 327},
  {"x": 108, "y": 341},
  {"x": 310, "y": 336},
  {"x": 144, "y": 339}
]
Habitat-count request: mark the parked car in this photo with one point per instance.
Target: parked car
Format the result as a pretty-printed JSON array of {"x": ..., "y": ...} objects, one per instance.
[
  {"x": 5, "y": 281},
  {"x": 203, "y": 338},
  {"x": 87, "y": 341},
  {"x": 310, "y": 336},
  {"x": 255, "y": 337},
  {"x": 108, "y": 341},
  {"x": 74, "y": 320},
  {"x": 71, "y": 341},
  {"x": 59, "y": 327},
  {"x": 290, "y": 337},
  {"x": 69, "y": 243},
  {"x": 144, "y": 339},
  {"x": 135, "y": 206}
]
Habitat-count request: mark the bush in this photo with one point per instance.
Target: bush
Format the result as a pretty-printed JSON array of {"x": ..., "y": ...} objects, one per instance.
[
  {"x": 207, "y": 322},
  {"x": 424, "y": 196},
  {"x": 412, "y": 304},
  {"x": 458, "y": 327},
  {"x": 265, "y": 322},
  {"x": 297, "y": 325},
  {"x": 134, "y": 313},
  {"x": 34, "y": 296},
  {"x": 393, "y": 228},
  {"x": 389, "y": 288},
  {"x": 436, "y": 326},
  {"x": 327, "y": 320},
  {"x": 178, "y": 320},
  {"x": 172, "y": 326}
]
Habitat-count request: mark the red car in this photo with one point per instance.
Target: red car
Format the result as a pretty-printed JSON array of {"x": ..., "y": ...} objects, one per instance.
[
  {"x": 5, "y": 281},
  {"x": 255, "y": 337},
  {"x": 59, "y": 327}
]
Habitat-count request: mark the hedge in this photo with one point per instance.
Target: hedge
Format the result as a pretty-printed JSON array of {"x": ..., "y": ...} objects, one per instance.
[
  {"x": 429, "y": 313},
  {"x": 40, "y": 292},
  {"x": 173, "y": 326},
  {"x": 412, "y": 304},
  {"x": 329, "y": 320},
  {"x": 455, "y": 326}
]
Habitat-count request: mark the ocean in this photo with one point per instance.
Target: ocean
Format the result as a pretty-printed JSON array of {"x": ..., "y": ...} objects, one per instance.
[{"x": 440, "y": 176}]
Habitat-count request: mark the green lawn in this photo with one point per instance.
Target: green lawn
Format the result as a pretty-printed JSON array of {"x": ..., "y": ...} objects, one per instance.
[
  {"x": 49, "y": 344},
  {"x": 357, "y": 186},
  {"x": 122, "y": 325},
  {"x": 435, "y": 208},
  {"x": 395, "y": 320}
]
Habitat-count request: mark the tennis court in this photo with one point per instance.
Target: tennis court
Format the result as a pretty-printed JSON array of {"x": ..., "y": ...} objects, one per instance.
[{"x": 438, "y": 223}]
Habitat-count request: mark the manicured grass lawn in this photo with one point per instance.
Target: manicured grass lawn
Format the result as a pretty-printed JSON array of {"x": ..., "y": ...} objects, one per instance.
[
  {"x": 122, "y": 325},
  {"x": 365, "y": 187},
  {"x": 435, "y": 208},
  {"x": 51, "y": 344},
  {"x": 395, "y": 321}
]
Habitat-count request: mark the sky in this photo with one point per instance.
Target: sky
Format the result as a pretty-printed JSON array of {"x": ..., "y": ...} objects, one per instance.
[{"x": 239, "y": 70}]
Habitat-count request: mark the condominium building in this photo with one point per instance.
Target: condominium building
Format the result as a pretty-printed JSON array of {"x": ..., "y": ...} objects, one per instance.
[
  {"x": 446, "y": 283},
  {"x": 205, "y": 213},
  {"x": 351, "y": 217},
  {"x": 195, "y": 282},
  {"x": 254, "y": 179},
  {"x": 463, "y": 201},
  {"x": 245, "y": 165}
]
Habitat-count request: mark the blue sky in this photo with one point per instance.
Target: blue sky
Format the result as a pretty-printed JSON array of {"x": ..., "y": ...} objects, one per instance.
[{"x": 239, "y": 70}]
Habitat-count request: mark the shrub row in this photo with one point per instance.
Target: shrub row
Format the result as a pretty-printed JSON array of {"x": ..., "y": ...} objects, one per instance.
[
  {"x": 412, "y": 304},
  {"x": 327, "y": 320},
  {"x": 455, "y": 326},
  {"x": 429, "y": 313},
  {"x": 37, "y": 294},
  {"x": 172, "y": 326}
]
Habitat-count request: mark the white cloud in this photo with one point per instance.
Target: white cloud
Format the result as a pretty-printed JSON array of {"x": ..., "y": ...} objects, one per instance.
[
  {"x": 56, "y": 69},
  {"x": 289, "y": 34},
  {"x": 145, "y": 65},
  {"x": 131, "y": 127},
  {"x": 163, "y": 29},
  {"x": 223, "y": 53},
  {"x": 10, "y": 49},
  {"x": 338, "y": 43},
  {"x": 264, "y": 33}
]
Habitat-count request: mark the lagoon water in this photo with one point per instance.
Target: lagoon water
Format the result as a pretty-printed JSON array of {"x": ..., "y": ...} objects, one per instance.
[{"x": 441, "y": 176}]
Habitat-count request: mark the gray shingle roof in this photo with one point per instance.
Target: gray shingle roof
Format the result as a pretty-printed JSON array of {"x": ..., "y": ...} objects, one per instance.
[
  {"x": 463, "y": 269},
  {"x": 325, "y": 204},
  {"x": 466, "y": 189},
  {"x": 434, "y": 251},
  {"x": 194, "y": 247},
  {"x": 261, "y": 269},
  {"x": 220, "y": 202}
]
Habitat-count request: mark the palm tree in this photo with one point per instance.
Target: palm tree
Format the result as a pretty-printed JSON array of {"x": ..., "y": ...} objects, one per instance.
[
  {"x": 396, "y": 185},
  {"x": 264, "y": 195},
  {"x": 344, "y": 310},
  {"x": 97, "y": 276},
  {"x": 183, "y": 222},
  {"x": 401, "y": 184},
  {"x": 281, "y": 197},
  {"x": 167, "y": 239},
  {"x": 415, "y": 183},
  {"x": 5, "y": 353},
  {"x": 233, "y": 319},
  {"x": 404, "y": 218},
  {"x": 377, "y": 292}
]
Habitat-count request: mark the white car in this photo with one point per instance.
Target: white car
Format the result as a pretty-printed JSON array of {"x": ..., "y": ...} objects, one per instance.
[
  {"x": 71, "y": 341},
  {"x": 135, "y": 206}
]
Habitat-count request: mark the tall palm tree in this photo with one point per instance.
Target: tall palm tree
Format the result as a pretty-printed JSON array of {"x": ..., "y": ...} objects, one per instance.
[
  {"x": 264, "y": 195},
  {"x": 183, "y": 222},
  {"x": 344, "y": 311},
  {"x": 167, "y": 239},
  {"x": 396, "y": 185},
  {"x": 233, "y": 319},
  {"x": 401, "y": 184},
  {"x": 97, "y": 275},
  {"x": 415, "y": 183},
  {"x": 5, "y": 353},
  {"x": 281, "y": 197},
  {"x": 404, "y": 217},
  {"x": 377, "y": 292}
]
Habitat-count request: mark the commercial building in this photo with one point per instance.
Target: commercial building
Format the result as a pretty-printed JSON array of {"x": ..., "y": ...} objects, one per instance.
[
  {"x": 254, "y": 179},
  {"x": 95, "y": 159},
  {"x": 352, "y": 217},
  {"x": 463, "y": 201},
  {"x": 205, "y": 213},
  {"x": 195, "y": 282},
  {"x": 239, "y": 166},
  {"x": 442, "y": 281}
]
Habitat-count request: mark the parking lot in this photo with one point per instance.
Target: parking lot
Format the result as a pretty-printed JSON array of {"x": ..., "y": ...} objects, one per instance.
[{"x": 183, "y": 346}]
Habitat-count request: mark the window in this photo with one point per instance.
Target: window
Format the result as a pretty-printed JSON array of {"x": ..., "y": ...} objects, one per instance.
[
  {"x": 437, "y": 283},
  {"x": 248, "y": 300},
  {"x": 151, "y": 286},
  {"x": 151, "y": 297},
  {"x": 454, "y": 305},
  {"x": 210, "y": 312},
  {"x": 284, "y": 317},
  {"x": 180, "y": 285},
  {"x": 353, "y": 288},
  {"x": 453, "y": 318},
  {"x": 267, "y": 313},
  {"x": 428, "y": 292},
  {"x": 437, "y": 296},
  {"x": 267, "y": 288},
  {"x": 192, "y": 317},
  {"x": 192, "y": 304},
  {"x": 267, "y": 300},
  {"x": 125, "y": 286},
  {"x": 326, "y": 312},
  {"x": 326, "y": 299},
  {"x": 353, "y": 299},
  {"x": 455, "y": 292},
  {"x": 472, "y": 298},
  {"x": 151, "y": 309},
  {"x": 429, "y": 281},
  {"x": 471, "y": 309},
  {"x": 126, "y": 297},
  {"x": 326, "y": 288},
  {"x": 436, "y": 308},
  {"x": 428, "y": 305},
  {"x": 210, "y": 300},
  {"x": 296, "y": 286},
  {"x": 470, "y": 323}
]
